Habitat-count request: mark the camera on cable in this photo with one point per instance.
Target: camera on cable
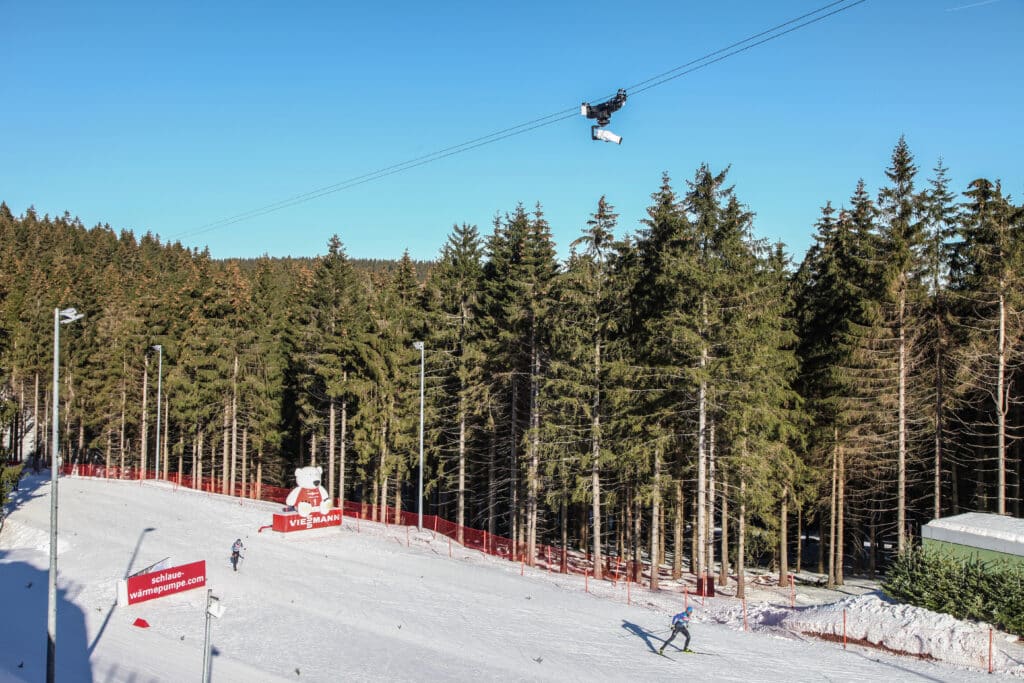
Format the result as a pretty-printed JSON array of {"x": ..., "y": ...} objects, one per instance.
[{"x": 603, "y": 113}]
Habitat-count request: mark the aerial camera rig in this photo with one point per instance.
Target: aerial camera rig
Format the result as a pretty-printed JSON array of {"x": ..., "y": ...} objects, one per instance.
[{"x": 603, "y": 113}]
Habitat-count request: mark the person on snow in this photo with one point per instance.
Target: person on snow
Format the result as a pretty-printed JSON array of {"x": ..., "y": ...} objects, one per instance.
[
  {"x": 236, "y": 552},
  {"x": 679, "y": 624}
]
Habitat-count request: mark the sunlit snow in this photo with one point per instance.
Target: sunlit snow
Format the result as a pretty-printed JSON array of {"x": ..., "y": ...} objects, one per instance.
[{"x": 367, "y": 602}]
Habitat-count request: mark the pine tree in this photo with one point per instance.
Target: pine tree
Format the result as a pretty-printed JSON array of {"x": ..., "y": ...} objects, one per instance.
[
  {"x": 939, "y": 216},
  {"x": 987, "y": 279},
  {"x": 452, "y": 304}
]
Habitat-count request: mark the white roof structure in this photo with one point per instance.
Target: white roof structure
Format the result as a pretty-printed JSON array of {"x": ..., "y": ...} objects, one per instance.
[{"x": 979, "y": 530}]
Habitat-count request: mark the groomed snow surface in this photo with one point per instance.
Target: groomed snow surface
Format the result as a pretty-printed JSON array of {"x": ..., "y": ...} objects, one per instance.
[{"x": 367, "y": 603}]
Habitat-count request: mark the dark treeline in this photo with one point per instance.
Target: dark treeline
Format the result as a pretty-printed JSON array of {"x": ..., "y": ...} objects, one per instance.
[{"x": 683, "y": 393}]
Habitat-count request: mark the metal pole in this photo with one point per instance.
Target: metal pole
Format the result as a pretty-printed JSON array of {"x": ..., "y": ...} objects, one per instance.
[
  {"x": 51, "y": 594},
  {"x": 206, "y": 639},
  {"x": 419, "y": 523},
  {"x": 68, "y": 315},
  {"x": 159, "y": 379}
]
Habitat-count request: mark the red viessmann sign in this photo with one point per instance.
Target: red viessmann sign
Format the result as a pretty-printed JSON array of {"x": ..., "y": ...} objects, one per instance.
[
  {"x": 162, "y": 583},
  {"x": 315, "y": 520}
]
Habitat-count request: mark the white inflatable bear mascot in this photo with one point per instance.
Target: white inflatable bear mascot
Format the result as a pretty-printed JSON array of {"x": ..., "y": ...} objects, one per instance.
[{"x": 308, "y": 495}]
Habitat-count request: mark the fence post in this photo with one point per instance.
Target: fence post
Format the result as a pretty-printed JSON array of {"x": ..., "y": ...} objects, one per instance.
[
  {"x": 686, "y": 597},
  {"x": 449, "y": 547},
  {"x": 990, "y": 650},
  {"x": 744, "y": 614},
  {"x": 844, "y": 628},
  {"x": 406, "y": 537},
  {"x": 628, "y": 599},
  {"x": 522, "y": 566},
  {"x": 586, "y": 580},
  {"x": 792, "y": 591}
]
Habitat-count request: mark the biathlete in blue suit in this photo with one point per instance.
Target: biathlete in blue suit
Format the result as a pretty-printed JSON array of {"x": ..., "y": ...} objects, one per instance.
[{"x": 680, "y": 622}]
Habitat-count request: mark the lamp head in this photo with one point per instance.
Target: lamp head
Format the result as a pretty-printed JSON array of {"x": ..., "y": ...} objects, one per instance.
[
  {"x": 70, "y": 315},
  {"x": 418, "y": 345}
]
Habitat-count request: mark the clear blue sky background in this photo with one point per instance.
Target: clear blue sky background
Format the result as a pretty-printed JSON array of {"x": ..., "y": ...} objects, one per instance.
[{"x": 167, "y": 117}]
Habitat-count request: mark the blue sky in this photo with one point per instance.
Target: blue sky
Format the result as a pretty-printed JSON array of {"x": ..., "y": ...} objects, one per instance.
[{"x": 170, "y": 117}]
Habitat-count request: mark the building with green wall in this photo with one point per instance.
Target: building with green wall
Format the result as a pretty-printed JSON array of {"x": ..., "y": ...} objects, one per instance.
[{"x": 981, "y": 535}]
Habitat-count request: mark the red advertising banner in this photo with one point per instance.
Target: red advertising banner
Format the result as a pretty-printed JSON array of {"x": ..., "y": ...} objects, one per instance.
[
  {"x": 164, "y": 582},
  {"x": 316, "y": 520}
]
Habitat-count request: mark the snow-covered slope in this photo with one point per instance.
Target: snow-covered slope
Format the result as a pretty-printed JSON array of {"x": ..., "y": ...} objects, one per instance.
[{"x": 374, "y": 603}]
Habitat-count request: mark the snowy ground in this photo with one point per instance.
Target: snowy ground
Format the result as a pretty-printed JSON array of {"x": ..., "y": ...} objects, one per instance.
[{"x": 372, "y": 602}]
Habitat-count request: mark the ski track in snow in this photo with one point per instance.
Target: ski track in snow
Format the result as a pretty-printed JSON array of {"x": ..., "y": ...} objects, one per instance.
[{"x": 343, "y": 604}]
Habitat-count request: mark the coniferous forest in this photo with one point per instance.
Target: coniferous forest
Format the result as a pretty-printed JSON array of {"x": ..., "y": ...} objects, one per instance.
[{"x": 678, "y": 390}]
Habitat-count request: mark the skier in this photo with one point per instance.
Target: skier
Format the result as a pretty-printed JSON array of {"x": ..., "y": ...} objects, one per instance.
[
  {"x": 236, "y": 552},
  {"x": 679, "y": 624}
]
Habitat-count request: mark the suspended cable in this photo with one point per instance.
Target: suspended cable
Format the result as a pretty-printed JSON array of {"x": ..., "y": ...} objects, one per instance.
[{"x": 556, "y": 117}]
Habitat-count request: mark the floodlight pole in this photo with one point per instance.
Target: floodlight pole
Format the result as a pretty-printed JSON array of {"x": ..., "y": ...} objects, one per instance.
[
  {"x": 419, "y": 521},
  {"x": 210, "y": 600},
  {"x": 159, "y": 380},
  {"x": 60, "y": 317}
]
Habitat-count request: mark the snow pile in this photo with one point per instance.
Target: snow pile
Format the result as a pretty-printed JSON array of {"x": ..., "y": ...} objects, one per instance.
[{"x": 873, "y": 620}]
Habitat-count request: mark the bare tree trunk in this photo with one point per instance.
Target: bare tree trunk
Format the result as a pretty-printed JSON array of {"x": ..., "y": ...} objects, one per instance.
[
  {"x": 709, "y": 536},
  {"x": 832, "y": 516},
  {"x": 638, "y": 560},
  {"x": 694, "y": 535},
  {"x": 655, "y": 519},
  {"x": 741, "y": 549},
  {"x": 492, "y": 476},
  {"x": 331, "y": 416},
  {"x": 259, "y": 476},
  {"x": 840, "y": 516},
  {"x": 35, "y": 422},
  {"x": 46, "y": 427},
  {"x": 901, "y": 501},
  {"x": 383, "y": 472},
  {"x": 700, "y": 566},
  {"x": 627, "y": 509},
  {"x": 18, "y": 431},
  {"x": 679, "y": 540},
  {"x": 124, "y": 403},
  {"x": 234, "y": 427},
  {"x": 341, "y": 451},
  {"x": 167, "y": 431},
  {"x": 723, "y": 575},
  {"x": 398, "y": 496},
  {"x": 198, "y": 470},
  {"x": 461, "y": 503},
  {"x": 783, "y": 538},
  {"x": 246, "y": 492},
  {"x": 144, "y": 427},
  {"x": 533, "y": 483},
  {"x": 939, "y": 423},
  {"x": 563, "y": 562},
  {"x": 225, "y": 462},
  {"x": 513, "y": 474},
  {"x": 1001, "y": 402}
]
